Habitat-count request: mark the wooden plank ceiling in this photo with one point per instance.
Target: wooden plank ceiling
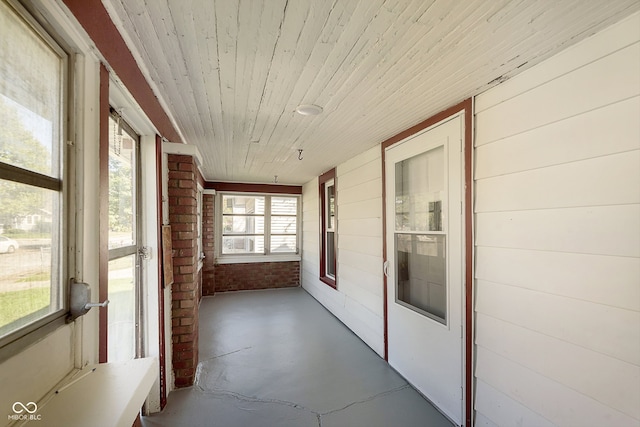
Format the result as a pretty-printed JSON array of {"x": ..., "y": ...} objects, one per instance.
[{"x": 231, "y": 72}]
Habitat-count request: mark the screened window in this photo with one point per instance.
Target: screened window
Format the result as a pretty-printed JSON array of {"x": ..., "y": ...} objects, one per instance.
[
  {"x": 328, "y": 228},
  {"x": 259, "y": 224},
  {"x": 33, "y": 80}
]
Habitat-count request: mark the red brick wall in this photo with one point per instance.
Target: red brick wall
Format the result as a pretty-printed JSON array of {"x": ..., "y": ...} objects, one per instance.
[
  {"x": 252, "y": 276},
  {"x": 208, "y": 226},
  {"x": 186, "y": 289}
]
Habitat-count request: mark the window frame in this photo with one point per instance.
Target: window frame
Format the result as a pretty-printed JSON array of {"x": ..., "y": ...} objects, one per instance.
[
  {"x": 324, "y": 182},
  {"x": 63, "y": 185},
  {"x": 267, "y": 255},
  {"x": 199, "y": 225}
]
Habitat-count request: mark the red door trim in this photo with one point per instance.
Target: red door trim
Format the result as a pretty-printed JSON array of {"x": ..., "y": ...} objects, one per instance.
[
  {"x": 467, "y": 107},
  {"x": 103, "y": 257},
  {"x": 162, "y": 350}
]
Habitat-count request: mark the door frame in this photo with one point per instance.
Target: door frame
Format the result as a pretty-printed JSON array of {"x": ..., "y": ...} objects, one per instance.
[{"x": 465, "y": 106}]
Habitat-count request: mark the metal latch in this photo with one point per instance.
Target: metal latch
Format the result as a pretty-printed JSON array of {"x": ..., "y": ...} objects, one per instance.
[{"x": 79, "y": 298}]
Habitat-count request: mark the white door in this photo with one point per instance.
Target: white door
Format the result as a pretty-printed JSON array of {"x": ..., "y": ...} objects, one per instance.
[{"x": 424, "y": 188}]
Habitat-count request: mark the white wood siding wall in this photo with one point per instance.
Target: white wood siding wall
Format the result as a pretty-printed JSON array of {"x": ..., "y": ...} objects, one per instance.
[
  {"x": 358, "y": 300},
  {"x": 557, "y": 204}
]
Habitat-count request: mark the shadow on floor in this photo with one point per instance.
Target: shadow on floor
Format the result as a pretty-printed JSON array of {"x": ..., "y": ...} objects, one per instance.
[{"x": 278, "y": 358}]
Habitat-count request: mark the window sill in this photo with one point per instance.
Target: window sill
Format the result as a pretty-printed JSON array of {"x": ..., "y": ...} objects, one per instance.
[
  {"x": 329, "y": 281},
  {"x": 109, "y": 391},
  {"x": 246, "y": 259}
]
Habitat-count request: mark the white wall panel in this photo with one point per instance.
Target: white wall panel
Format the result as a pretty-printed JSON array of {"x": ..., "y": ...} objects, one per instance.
[
  {"x": 606, "y": 81},
  {"x": 555, "y": 143},
  {"x": 492, "y": 402},
  {"x": 614, "y": 384},
  {"x": 603, "y": 230},
  {"x": 578, "y": 276},
  {"x": 369, "y": 208},
  {"x": 557, "y": 235},
  {"x": 602, "y": 328},
  {"x": 371, "y": 227},
  {"x": 611, "y": 39},
  {"x": 30, "y": 374},
  {"x": 551, "y": 400},
  {"x": 357, "y": 301},
  {"x": 593, "y": 182}
]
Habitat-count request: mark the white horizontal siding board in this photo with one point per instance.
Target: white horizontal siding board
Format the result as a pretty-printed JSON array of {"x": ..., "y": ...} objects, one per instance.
[
  {"x": 328, "y": 297},
  {"x": 605, "y": 230},
  {"x": 368, "y": 300},
  {"x": 578, "y": 276},
  {"x": 371, "y": 155},
  {"x": 497, "y": 409},
  {"x": 371, "y": 227},
  {"x": 369, "y": 281},
  {"x": 361, "y": 191},
  {"x": 604, "y": 329},
  {"x": 355, "y": 177},
  {"x": 613, "y": 38},
  {"x": 610, "y": 381},
  {"x": 552, "y": 400},
  {"x": 481, "y": 420},
  {"x": 361, "y": 244},
  {"x": 359, "y": 260},
  {"x": 607, "y": 180},
  {"x": 600, "y": 132},
  {"x": 602, "y": 82},
  {"x": 366, "y": 324},
  {"x": 370, "y": 208},
  {"x": 357, "y": 301}
]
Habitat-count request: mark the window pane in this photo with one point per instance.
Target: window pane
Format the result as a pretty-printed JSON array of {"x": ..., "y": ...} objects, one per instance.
[
  {"x": 30, "y": 97},
  {"x": 284, "y": 206},
  {"x": 232, "y": 204},
  {"x": 283, "y": 244},
  {"x": 420, "y": 187},
  {"x": 421, "y": 273},
  {"x": 122, "y": 309},
  {"x": 283, "y": 225},
  {"x": 331, "y": 207},
  {"x": 242, "y": 224},
  {"x": 331, "y": 255},
  {"x": 29, "y": 268},
  {"x": 243, "y": 245},
  {"x": 121, "y": 186}
]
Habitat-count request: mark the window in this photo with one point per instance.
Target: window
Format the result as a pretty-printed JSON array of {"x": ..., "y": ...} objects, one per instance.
[
  {"x": 259, "y": 224},
  {"x": 200, "y": 248},
  {"x": 328, "y": 228},
  {"x": 33, "y": 81},
  {"x": 124, "y": 281}
]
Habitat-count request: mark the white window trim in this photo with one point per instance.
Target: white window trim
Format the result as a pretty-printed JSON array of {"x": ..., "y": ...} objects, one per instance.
[
  {"x": 253, "y": 258},
  {"x": 326, "y": 213},
  {"x": 200, "y": 225}
]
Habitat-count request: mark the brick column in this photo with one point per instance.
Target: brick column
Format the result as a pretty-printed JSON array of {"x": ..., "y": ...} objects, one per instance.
[
  {"x": 185, "y": 288},
  {"x": 208, "y": 282}
]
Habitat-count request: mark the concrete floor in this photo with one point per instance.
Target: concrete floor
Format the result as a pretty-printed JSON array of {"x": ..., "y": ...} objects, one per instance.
[{"x": 278, "y": 358}]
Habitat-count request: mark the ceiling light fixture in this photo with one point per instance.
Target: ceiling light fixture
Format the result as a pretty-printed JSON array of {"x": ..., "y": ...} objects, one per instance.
[{"x": 308, "y": 110}]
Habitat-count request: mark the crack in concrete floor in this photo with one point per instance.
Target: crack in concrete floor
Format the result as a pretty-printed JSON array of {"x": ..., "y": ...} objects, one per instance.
[
  {"x": 220, "y": 394},
  {"x": 278, "y": 358}
]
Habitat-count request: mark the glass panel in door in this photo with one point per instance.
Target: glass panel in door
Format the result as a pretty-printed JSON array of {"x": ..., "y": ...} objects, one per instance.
[{"x": 420, "y": 238}]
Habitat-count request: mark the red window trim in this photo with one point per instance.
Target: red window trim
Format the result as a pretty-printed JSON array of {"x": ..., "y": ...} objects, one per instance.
[{"x": 322, "y": 180}]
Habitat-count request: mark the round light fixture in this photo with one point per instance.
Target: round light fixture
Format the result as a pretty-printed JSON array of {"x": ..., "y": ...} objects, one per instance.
[{"x": 308, "y": 110}]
